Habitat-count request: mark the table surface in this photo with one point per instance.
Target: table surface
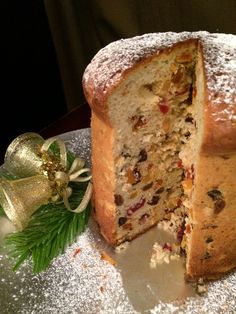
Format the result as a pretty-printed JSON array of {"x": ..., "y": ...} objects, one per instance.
[{"x": 78, "y": 118}]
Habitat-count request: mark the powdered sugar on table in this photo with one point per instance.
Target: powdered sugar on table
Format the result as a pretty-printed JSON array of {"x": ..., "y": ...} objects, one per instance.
[{"x": 80, "y": 281}]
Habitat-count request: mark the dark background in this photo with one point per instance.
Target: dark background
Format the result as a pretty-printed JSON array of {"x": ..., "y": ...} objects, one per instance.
[
  {"x": 46, "y": 46},
  {"x": 32, "y": 93}
]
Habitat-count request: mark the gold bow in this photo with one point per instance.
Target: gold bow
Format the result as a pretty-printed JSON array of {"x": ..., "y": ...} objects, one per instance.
[{"x": 63, "y": 176}]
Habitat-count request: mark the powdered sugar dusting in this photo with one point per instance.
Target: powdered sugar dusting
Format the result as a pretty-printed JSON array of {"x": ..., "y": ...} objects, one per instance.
[
  {"x": 220, "y": 298},
  {"x": 111, "y": 62},
  {"x": 79, "y": 281},
  {"x": 64, "y": 288},
  {"x": 220, "y": 62}
]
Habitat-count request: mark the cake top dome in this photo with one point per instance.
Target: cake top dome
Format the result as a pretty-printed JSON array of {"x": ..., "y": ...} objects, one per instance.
[{"x": 111, "y": 62}]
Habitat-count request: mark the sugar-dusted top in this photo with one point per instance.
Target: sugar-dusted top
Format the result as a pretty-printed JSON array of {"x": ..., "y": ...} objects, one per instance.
[
  {"x": 220, "y": 63},
  {"x": 219, "y": 49},
  {"x": 109, "y": 65}
]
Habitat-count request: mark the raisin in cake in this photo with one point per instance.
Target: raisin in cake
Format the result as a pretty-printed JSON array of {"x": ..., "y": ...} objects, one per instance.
[{"x": 164, "y": 141}]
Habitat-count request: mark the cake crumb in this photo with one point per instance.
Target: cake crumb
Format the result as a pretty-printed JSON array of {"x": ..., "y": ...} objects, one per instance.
[
  {"x": 76, "y": 252},
  {"x": 164, "y": 254},
  {"x": 172, "y": 224},
  {"x": 122, "y": 247},
  {"x": 108, "y": 258},
  {"x": 201, "y": 287}
]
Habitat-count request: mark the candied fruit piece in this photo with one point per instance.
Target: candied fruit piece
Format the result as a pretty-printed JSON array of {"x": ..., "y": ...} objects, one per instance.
[
  {"x": 136, "y": 206},
  {"x": 142, "y": 155},
  {"x": 155, "y": 199},
  {"x": 143, "y": 218},
  {"x": 118, "y": 199},
  {"x": 215, "y": 194},
  {"x": 133, "y": 176},
  {"x": 164, "y": 106},
  {"x": 219, "y": 206},
  {"x": 122, "y": 221}
]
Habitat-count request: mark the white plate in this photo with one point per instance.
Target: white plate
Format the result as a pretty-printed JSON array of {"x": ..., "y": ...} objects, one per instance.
[{"x": 84, "y": 283}]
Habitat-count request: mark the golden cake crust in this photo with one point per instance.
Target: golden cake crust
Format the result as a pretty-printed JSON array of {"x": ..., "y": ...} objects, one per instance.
[
  {"x": 103, "y": 177},
  {"x": 213, "y": 239}
]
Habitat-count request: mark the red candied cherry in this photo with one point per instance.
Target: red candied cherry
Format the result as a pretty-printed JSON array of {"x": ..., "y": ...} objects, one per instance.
[
  {"x": 180, "y": 232},
  {"x": 136, "y": 206},
  {"x": 179, "y": 164},
  {"x": 167, "y": 246},
  {"x": 189, "y": 174},
  {"x": 164, "y": 106}
]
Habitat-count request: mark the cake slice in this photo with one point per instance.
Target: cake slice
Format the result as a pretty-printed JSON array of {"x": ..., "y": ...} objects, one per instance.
[{"x": 164, "y": 141}]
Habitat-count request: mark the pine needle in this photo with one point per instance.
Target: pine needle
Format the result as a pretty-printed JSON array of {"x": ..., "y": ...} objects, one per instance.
[{"x": 51, "y": 229}]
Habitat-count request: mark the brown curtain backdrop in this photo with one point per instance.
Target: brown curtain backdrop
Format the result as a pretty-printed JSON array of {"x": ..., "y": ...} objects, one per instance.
[{"x": 81, "y": 27}]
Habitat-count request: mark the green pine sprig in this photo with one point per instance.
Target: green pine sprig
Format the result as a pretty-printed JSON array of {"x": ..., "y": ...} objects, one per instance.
[{"x": 51, "y": 229}]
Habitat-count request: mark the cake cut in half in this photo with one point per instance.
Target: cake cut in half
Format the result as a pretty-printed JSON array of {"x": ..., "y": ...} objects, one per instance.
[{"x": 164, "y": 141}]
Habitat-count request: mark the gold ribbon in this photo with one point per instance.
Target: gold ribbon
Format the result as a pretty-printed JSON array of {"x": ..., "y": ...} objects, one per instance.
[{"x": 64, "y": 177}]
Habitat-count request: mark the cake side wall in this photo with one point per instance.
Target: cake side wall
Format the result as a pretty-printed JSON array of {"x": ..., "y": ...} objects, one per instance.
[
  {"x": 103, "y": 177},
  {"x": 212, "y": 246}
]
